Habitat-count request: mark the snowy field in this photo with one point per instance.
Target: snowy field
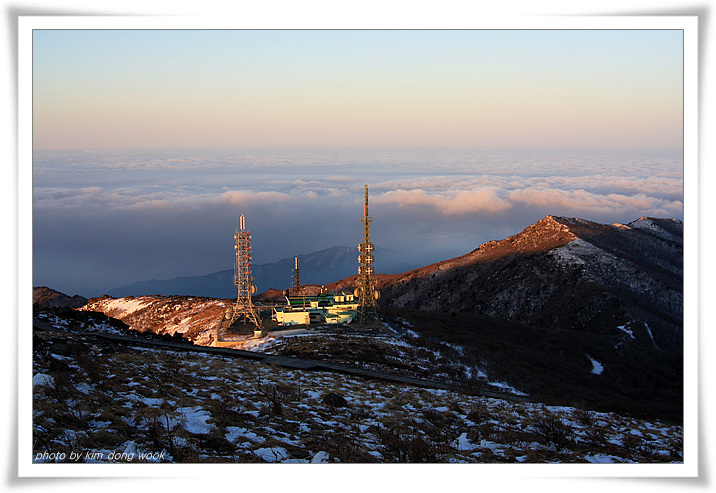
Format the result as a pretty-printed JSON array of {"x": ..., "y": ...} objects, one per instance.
[{"x": 97, "y": 402}]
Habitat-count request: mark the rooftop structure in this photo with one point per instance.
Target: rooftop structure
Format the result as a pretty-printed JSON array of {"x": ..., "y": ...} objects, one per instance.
[{"x": 323, "y": 308}]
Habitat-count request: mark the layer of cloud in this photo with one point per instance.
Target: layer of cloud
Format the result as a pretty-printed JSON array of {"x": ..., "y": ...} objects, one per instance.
[
  {"x": 461, "y": 202},
  {"x": 94, "y": 231}
]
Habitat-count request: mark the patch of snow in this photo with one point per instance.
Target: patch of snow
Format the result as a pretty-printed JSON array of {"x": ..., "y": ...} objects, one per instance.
[
  {"x": 412, "y": 333},
  {"x": 272, "y": 454},
  {"x": 126, "y": 306},
  {"x": 597, "y": 367},
  {"x": 320, "y": 458},
  {"x": 561, "y": 410},
  {"x": 95, "y": 425},
  {"x": 627, "y": 330},
  {"x": 648, "y": 330},
  {"x": 313, "y": 394},
  {"x": 43, "y": 380},
  {"x": 603, "y": 459},
  {"x": 495, "y": 447},
  {"x": 462, "y": 443},
  {"x": 151, "y": 402},
  {"x": 647, "y": 224},
  {"x": 130, "y": 448},
  {"x": 616, "y": 441},
  {"x": 195, "y": 420},
  {"x": 573, "y": 251},
  {"x": 506, "y": 387},
  {"x": 234, "y": 432},
  {"x": 85, "y": 388}
]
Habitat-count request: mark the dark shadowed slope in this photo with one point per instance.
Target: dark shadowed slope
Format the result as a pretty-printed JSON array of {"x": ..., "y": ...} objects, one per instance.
[{"x": 563, "y": 273}]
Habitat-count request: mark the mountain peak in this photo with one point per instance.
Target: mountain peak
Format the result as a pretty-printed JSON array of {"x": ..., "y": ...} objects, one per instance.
[
  {"x": 669, "y": 229},
  {"x": 545, "y": 234},
  {"x": 562, "y": 272},
  {"x": 43, "y": 296}
]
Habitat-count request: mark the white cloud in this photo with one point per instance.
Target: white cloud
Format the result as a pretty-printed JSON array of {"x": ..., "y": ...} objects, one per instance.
[
  {"x": 242, "y": 197},
  {"x": 112, "y": 207},
  {"x": 458, "y": 203},
  {"x": 579, "y": 201}
]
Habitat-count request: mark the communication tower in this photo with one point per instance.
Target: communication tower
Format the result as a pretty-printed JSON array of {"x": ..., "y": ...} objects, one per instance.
[
  {"x": 366, "y": 292},
  {"x": 296, "y": 288},
  {"x": 243, "y": 279}
]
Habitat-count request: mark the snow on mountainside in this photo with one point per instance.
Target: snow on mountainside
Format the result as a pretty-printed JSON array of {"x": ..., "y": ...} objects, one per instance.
[
  {"x": 561, "y": 272},
  {"x": 194, "y": 318},
  {"x": 99, "y": 401}
]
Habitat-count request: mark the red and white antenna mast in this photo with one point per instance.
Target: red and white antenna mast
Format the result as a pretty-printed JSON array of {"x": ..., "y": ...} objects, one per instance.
[{"x": 242, "y": 277}]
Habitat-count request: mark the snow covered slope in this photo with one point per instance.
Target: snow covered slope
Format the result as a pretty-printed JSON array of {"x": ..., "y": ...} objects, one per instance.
[
  {"x": 192, "y": 317},
  {"x": 98, "y": 402},
  {"x": 562, "y": 272}
]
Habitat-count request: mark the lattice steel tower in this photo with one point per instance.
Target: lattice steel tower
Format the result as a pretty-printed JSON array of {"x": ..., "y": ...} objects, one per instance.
[
  {"x": 296, "y": 289},
  {"x": 366, "y": 292},
  {"x": 243, "y": 279}
]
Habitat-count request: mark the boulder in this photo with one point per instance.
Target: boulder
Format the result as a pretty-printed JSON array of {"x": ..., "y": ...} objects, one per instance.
[{"x": 334, "y": 400}]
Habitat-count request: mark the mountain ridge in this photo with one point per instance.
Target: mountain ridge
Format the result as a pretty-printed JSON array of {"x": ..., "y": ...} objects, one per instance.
[
  {"x": 569, "y": 273},
  {"x": 560, "y": 272},
  {"x": 320, "y": 267},
  {"x": 45, "y": 297},
  {"x": 564, "y": 272},
  {"x": 567, "y": 307}
]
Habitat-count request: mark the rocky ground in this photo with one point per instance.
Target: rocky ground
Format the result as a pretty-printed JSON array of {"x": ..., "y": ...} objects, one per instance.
[{"x": 97, "y": 401}]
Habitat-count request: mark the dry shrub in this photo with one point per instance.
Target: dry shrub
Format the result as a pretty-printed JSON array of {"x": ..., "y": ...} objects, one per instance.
[
  {"x": 440, "y": 427},
  {"x": 583, "y": 417},
  {"x": 553, "y": 430},
  {"x": 217, "y": 442},
  {"x": 225, "y": 413},
  {"x": 342, "y": 446},
  {"x": 156, "y": 424},
  {"x": 478, "y": 413},
  {"x": 277, "y": 395},
  {"x": 399, "y": 447},
  {"x": 92, "y": 366}
]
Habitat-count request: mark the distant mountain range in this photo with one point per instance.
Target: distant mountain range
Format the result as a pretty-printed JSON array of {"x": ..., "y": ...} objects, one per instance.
[{"x": 318, "y": 268}]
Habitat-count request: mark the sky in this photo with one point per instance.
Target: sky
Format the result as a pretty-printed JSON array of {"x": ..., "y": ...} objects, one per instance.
[
  {"x": 148, "y": 145},
  {"x": 108, "y": 89}
]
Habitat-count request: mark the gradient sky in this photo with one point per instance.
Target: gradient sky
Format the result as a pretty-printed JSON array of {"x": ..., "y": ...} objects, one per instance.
[
  {"x": 148, "y": 145},
  {"x": 100, "y": 89}
]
